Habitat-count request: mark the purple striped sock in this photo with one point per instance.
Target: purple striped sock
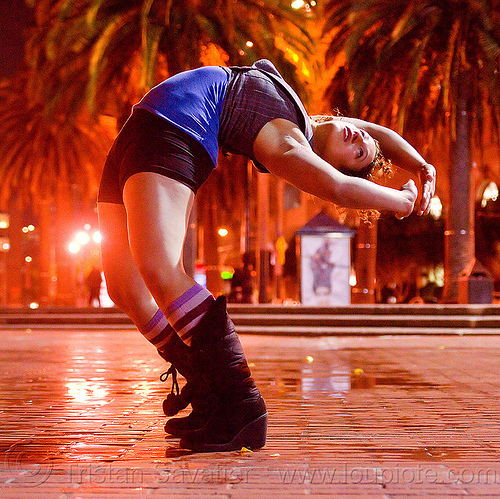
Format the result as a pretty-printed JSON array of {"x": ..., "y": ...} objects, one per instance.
[
  {"x": 187, "y": 311},
  {"x": 158, "y": 331}
]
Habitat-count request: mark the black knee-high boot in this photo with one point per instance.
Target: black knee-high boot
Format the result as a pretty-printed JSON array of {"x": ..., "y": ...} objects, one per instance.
[
  {"x": 240, "y": 416},
  {"x": 195, "y": 391}
]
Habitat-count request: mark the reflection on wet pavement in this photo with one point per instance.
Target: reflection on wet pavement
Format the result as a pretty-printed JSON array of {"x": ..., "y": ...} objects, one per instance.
[{"x": 81, "y": 412}]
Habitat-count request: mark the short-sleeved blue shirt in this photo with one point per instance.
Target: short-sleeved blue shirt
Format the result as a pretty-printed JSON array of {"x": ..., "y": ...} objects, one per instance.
[
  {"x": 192, "y": 101},
  {"x": 226, "y": 107}
]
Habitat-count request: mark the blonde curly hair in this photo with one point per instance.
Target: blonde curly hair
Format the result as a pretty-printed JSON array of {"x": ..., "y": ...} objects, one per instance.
[
  {"x": 379, "y": 167},
  {"x": 377, "y": 171}
]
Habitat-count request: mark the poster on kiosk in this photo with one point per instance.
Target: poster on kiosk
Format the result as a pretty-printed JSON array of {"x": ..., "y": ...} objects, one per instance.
[{"x": 325, "y": 262}]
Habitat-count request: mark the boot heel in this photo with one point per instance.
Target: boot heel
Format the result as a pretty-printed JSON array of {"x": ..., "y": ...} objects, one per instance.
[{"x": 253, "y": 436}]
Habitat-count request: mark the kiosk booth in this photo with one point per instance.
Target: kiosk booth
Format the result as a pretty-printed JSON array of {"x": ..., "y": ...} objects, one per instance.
[{"x": 324, "y": 249}]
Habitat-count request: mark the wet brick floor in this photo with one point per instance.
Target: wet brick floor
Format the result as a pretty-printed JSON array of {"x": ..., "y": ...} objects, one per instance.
[{"x": 388, "y": 417}]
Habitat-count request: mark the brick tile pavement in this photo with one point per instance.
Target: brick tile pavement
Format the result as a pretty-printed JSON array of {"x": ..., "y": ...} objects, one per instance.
[{"x": 378, "y": 418}]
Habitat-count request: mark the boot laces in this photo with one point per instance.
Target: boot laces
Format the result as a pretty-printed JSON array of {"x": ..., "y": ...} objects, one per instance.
[{"x": 175, "y": 384}]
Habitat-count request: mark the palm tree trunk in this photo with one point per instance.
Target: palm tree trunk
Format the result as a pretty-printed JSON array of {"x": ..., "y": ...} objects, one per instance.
[
  {"x": 262, "y": 252},
  {"x": 211, "y": 254},
  {"x": 15, "y": 262},
  {"x": 365, "y": 265},
  {"x": 459, "y": 234},
  {"x": 66, "y": 272},
  {"x": 46, "y": 289}
]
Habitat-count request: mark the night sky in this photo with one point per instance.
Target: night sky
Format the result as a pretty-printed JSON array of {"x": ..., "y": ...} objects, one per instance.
[{"x": 15, "y": 17}]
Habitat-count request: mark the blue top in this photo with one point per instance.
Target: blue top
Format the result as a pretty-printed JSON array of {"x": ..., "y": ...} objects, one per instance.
[
  {"x": 192, "y": 101},
  {"x": 226, "y": 107}
]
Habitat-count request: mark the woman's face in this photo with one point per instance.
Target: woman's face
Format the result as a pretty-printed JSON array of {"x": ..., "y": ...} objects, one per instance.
[{"x": 349, "y": 147}]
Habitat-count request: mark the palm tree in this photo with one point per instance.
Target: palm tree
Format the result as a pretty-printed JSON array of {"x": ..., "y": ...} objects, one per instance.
[
  {"x": 428, "y": 69},
  {"x": 48, "y": 166},
  {"x": 106, "y": 53}
]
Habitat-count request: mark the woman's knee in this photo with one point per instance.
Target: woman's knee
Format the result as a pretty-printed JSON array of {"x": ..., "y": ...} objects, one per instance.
[
  {"x": 165, "y": 282},
  {"x": 157, "y": 275},
  {"x": 118, "y": 294},
  {"x": 123, "y": 282},
  {"x": 113, "y": 292},
  {"x": 133, "y": 299}
]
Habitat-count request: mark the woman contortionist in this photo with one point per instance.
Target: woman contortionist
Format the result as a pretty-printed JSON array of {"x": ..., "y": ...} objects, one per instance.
[{"x": 162, "y": 155}]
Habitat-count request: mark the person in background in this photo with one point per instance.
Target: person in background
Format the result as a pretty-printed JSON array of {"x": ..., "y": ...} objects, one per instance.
[{"x": 93, "y": 283}]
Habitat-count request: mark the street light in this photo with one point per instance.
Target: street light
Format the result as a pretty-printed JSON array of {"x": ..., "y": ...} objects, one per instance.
[
  {"x": 436, "y": 208},
  {"x": 4, "y": 220},
  {"x": 82, "y": 238},
  {"x": 73, "y": 247},
  {"x": 4, "y": 244},
  {"x": 85, "y": 248},
  {"x": 489, "y": 194}
]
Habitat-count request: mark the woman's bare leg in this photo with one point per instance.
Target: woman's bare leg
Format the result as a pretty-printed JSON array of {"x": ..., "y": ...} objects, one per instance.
[
  {"x": 125, "y": 284},
  {"x": 142, "y": 245},
  {"x": 158, "y": 211}
]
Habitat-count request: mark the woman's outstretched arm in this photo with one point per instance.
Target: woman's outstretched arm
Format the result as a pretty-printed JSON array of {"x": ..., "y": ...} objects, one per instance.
[
  {"x": 403, "y": 154},
  {"x": 282, "y": 148}
]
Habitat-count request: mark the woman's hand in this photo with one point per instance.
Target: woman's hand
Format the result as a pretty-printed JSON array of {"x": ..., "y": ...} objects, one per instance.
[
  {"x": 427, "y": 175},
  {"x": 409, "y": 192}
]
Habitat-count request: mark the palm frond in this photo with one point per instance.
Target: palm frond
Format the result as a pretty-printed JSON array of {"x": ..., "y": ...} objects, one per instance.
[
  {"x": 422, "y": 48},
  {"x": 36, "y": 153},
  {"x": 100, "y": 50}
]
